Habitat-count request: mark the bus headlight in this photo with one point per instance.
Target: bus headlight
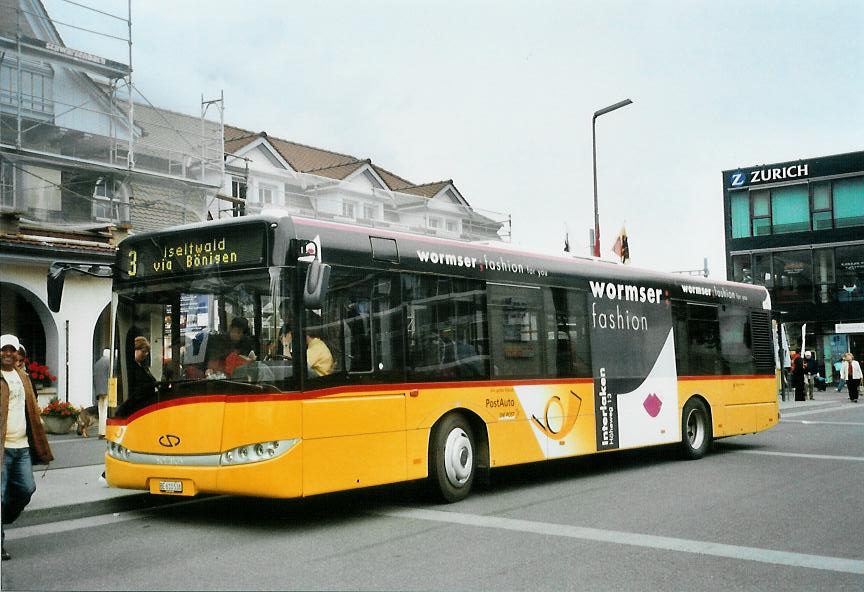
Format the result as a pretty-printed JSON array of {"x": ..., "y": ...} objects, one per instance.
[
  {"x": 117, "y": 451},
  {"x": 252, "y": 453}
]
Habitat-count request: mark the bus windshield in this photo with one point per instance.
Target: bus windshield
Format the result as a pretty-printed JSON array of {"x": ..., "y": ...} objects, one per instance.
[{"x": 219, "y": 334}]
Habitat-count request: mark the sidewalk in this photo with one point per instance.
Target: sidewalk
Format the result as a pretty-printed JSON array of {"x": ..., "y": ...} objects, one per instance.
[
  {"x": 830, "y": 396},
  {"x": 75, "y": 492},
  {"x": 70, "y": 487},
  {"x": 68, "y": 492}
]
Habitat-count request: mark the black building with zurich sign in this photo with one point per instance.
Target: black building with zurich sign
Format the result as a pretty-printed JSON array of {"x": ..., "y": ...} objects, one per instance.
[{"x": 797, "y": 228}]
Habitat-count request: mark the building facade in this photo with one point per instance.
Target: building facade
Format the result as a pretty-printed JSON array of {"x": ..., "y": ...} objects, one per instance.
[
  {"x": 80, "y": 168},
  {"x": 266, "y": 172},
  {"x": 86, "y": 160},
  {"x": 797, "y": 228}
]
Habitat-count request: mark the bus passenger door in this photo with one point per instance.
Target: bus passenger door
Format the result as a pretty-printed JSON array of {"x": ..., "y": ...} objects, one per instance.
[
  {"x": 354, "y": 436},
  {"x": 517, "y": 352}
]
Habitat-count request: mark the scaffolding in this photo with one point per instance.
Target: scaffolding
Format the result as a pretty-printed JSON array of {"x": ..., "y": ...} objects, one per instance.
[{"x": 78, "y": 141}]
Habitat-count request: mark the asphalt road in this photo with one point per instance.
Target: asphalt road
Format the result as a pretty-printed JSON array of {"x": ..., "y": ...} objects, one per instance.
[{"x": 781, "y": 510}]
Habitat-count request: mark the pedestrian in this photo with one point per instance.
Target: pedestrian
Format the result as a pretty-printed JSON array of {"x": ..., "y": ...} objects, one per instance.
[
  {"x": 24, "y": 440},
  {"x": 810, "y": 373},
  {"x": 21, "y": 358},
  {"x": 838, "y": 369},
  {"x": 798, "y": 376},
  {"x": 851, "y": 373},
  {"x": 101, "y": 373}
]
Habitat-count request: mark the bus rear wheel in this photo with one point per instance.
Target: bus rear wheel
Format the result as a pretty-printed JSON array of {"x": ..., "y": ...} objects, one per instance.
[
  {"x": 696, "y": 433},
  {"x": 452, "y": 459}
]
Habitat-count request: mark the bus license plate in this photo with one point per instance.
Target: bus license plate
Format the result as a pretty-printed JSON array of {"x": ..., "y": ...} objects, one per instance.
[{"x": 171, "y": 486}]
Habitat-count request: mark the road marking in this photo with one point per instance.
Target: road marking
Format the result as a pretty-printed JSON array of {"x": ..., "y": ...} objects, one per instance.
[
  {"x": 838, "y": 564},
  {"x": 24, "y": 532},
  {"x": 815, "y": 411},
  {"x": 808, "y": 422},
  {"x": 802, "y": 455}
]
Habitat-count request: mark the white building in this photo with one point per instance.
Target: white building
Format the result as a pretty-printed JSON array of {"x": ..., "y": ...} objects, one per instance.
[
  {"x": 85, "y": 160},
  {"x": 77, "y": 174},
  {"x": 265, "y": 172}
]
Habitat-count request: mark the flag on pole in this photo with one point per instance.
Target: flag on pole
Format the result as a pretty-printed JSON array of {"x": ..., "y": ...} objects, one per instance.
[
  {"x": 621, "y": 246},
  {"x": 566, "y": 242},
  {"x": 803, "y": 339}
]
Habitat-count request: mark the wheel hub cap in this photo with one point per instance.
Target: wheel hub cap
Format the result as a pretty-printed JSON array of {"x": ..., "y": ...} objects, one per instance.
[{"x": 458, "y": 457}]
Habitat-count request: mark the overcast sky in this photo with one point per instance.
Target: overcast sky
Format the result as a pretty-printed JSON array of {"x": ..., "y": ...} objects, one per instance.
[{"x": 498, "y": 96}]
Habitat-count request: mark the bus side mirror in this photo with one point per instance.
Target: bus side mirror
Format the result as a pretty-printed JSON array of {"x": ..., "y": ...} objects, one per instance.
[
  {"x": 56, "y": 277},
  {"x": 317, "y": 282}
]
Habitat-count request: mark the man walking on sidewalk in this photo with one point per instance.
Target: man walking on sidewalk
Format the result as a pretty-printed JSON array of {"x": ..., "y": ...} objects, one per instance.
[
  {"x": 21, "y": 433},
  {"x": 101, "y": 374},
  {"x": 809, "y": 374}
]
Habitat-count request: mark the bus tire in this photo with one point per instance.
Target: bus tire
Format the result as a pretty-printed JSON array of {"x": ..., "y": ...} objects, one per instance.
[
  {"x": 696, "y": 432},
  {"x": 452, "y": 459}
]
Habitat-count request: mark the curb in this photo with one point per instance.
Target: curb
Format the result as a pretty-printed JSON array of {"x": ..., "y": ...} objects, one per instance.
[{"x": 125, "y": 503}]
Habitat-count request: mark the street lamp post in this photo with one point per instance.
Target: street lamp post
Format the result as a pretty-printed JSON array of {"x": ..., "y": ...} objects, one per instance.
[{"x": 597, "y": 114}]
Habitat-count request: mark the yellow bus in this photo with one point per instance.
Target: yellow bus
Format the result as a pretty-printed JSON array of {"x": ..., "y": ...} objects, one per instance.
[{"x": 286, "y": 357}]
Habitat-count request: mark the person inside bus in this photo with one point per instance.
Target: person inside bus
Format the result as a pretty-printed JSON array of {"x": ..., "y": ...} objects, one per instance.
[
  {"x": 456, "y": 356},
  {"x": 241, "y": 346},
  {"x": 284, "y": 340},
  {"x": 142, "y": 384},
  {"x": 318, "y": 356}
]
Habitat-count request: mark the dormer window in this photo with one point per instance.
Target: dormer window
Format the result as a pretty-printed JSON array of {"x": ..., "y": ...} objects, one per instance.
[{"x": 266, "y": 194}]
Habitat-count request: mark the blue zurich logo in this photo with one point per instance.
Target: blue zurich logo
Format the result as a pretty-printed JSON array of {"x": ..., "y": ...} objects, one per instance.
[{"x": 737, "y": 179}]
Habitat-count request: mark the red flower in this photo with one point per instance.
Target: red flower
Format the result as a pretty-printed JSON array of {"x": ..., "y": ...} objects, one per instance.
[{"x": 60, "y": 409}]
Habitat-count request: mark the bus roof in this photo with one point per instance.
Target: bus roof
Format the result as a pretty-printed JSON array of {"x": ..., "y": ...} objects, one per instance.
[{"x": 378, "y": 248}]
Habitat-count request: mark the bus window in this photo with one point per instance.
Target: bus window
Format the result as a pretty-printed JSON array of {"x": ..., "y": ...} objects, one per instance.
[
  {"x": 446, "y": 328},
  {"x": 703, "y": 344},
  {"x": 568, "y": 350},
  {"x": 200, "y": 332},
  {"x": 514, "y": 329},
  {"x": 360, "y": 327},
  {"x": 735, "y": 340}
]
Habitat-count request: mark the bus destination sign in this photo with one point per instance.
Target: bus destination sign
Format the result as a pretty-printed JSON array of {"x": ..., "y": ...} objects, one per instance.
[{"x": 207, "y": 250}]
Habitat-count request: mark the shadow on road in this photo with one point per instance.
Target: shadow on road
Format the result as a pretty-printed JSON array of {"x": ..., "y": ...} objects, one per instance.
[{"x": 332, "y": 509}]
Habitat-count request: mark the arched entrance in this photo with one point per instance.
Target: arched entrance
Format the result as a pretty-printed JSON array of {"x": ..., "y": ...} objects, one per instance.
[
  {"x": 102, "y": 333},
  {"x": 23, "y": 314}
]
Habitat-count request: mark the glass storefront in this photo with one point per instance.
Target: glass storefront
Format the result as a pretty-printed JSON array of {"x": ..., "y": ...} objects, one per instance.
[{"x": 826, "y": 275}]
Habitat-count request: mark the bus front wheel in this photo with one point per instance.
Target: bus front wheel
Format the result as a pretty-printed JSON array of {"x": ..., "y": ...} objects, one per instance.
[
  {"x": 696, "y": 433},
  {"x": 452, "y": 459}
]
